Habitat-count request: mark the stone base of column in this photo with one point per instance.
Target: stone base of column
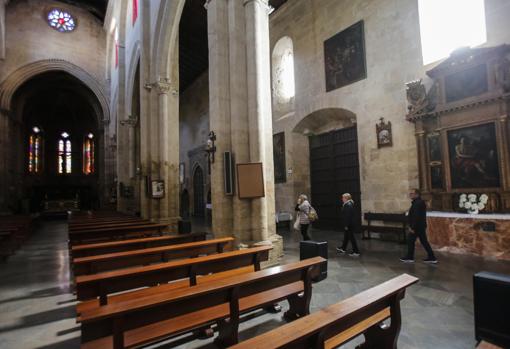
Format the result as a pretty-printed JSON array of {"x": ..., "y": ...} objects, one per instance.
[
  {"x": 171, "y": 221},
  {"x": 276, "y": 254}
]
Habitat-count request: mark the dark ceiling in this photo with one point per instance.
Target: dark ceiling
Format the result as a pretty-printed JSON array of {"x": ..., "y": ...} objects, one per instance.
[
  {"x": 96, "y": 7},
  {"x": 193, "y": 46}
]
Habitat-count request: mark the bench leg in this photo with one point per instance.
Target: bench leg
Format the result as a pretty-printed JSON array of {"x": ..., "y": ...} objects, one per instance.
[
  {"x": 228, "y": 332},
  {"x": 274, "y": 308},
  {"x": 299, "y": 307},
  {"x": 379, "y": 337}
]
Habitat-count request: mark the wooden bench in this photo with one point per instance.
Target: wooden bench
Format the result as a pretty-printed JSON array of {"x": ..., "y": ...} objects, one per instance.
[
  {"x": 487, "y": 345},
  {"x": 96, "y": 290},
  {"x": 118, "y": 260},
  {"x": 151, "y": 319},
  {"x": 7, "y": 244},
  {"x": 107, "y": 224},
  {"x": 339, "y": 323},
  {"x": 133, "y": 244},
  {"x": 117, "y": 233},
  {"x": 400, "y": 218}
]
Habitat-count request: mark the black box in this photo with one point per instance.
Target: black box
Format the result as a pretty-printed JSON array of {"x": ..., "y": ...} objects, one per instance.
[
  {"x": 184, "y": 227},
  {"x": 491, "y": 296},
  {"x": 309, "y": 249}
]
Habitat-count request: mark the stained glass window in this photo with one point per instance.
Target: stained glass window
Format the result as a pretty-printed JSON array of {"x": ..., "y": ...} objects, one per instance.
[
  {"x": 88, "y": 154},
  {"x": 35, "y": 151},
  {"x": 61, "y": 21},
  {"x": 64, "y": 154},
  {"x": 135, "y": 11}
]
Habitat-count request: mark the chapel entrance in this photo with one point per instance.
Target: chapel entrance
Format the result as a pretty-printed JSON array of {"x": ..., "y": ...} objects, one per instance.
[{"x": 334, "y": 170}]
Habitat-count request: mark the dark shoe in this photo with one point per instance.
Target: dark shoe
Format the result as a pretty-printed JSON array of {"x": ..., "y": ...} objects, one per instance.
[
  {"x": 430, "y": 261},
  {"x": 354, "y": 254},
  {"x": 407, "y": 260},
  {"x": 340, "y": 250}
]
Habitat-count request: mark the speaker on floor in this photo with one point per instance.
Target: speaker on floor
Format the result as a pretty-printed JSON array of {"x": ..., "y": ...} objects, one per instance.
[
  {"x": 184, "y": 227},
  {"x": 492, "y": 308},
  {"x": 309, "y": 249}
]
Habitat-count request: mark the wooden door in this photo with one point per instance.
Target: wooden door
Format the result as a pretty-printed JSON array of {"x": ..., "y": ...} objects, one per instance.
[{"x": 334, "y": 170}]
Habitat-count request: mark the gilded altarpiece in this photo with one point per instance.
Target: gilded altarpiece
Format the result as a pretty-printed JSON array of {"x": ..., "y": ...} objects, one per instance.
[{"x": 462, "y": 128}]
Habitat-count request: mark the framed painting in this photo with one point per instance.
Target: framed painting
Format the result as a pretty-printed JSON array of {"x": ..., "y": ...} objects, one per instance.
[
  {"x": 344, "y": 57},
  {"x": 474, "y": 157},
  {"x": 250, "y": 180},
  {"x": 280, "y": 175},
  {"x": 157, "y": 189}
]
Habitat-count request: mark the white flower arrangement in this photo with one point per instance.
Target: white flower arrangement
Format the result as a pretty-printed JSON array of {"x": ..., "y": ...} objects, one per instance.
[{"x": 471, "y": 204}]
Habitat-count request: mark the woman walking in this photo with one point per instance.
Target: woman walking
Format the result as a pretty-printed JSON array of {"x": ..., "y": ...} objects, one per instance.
[{"x": 303, "y": 208}]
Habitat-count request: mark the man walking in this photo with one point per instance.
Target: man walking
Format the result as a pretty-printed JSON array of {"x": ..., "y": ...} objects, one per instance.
[
  {"x": 417, "y": 229},
  {"x": 348, "y": 226}
]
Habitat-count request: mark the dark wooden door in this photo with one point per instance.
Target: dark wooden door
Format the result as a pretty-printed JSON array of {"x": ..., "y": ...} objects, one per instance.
[{"x": 334, "y": 170}]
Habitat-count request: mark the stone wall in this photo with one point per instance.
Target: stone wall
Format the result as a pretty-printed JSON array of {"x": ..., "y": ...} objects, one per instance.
[
  {"x": 194, "y": 129},
  {"x": 393, "y": 57}
]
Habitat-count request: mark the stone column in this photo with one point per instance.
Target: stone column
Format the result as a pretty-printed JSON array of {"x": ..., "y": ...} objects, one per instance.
[
  {"x": 168, "y": 131},
  {"x": 240, "y": 114},
  {"x": 4, "y": 163},
  {"x": 219, "y": 112},
  {"x": 2, "y": 28}
]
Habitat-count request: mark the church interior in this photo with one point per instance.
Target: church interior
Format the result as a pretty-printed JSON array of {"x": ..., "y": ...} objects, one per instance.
[{"x": 254, "y": 174}]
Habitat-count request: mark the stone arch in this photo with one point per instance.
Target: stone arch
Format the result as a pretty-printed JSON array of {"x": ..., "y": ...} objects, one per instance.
[
  {"x": 166, "y": 37},
  {"x": 134, "y": 61},
  {"x": 324, "y": 120},
  {"x": 23, "y": 74}
]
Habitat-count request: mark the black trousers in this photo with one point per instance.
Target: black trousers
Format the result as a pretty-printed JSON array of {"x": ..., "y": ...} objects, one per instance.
[
  {"x": 304, "y": 231},
  {"x": 422, "y": 235},
  {"x": 349, "y": 236}
]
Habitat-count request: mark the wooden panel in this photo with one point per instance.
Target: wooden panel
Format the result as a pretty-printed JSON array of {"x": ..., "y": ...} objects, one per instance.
[
  {"x": 334, "y": 170},
  {"x": 250, "y": 180}
]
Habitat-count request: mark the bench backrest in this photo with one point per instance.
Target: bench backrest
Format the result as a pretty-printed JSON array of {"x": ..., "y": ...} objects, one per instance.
[
  {"x": 320, "y": 329},
  {"x": 133, "y": 244},
  {"x": 117, "y": 260},
  {"x": 100, "y": 285},
  {"x": 116, "y": 232},
  {"x": 385, "y": 217},
  {"x": 114, "y": 319}
]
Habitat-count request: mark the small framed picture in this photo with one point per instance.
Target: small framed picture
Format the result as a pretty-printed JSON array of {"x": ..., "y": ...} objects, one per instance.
[
  {"x": 383, "y": 132},
  {"x": 157, "y": 189},
  {"x": 181, "y": 173}
]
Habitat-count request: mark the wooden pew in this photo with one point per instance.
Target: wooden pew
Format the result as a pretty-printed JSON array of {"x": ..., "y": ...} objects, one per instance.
[
  {"x": 487, "y": 345},
  {"x": 95, "y": 289},
  {"x": 79, "y": 237},
  {"x": 107, "y": 224},
  {"x": 118, "y": 260},
  {"x": 142, "y": 321},
  {"x": 133, "y": 244},
  {"x": 339, "y": 323},
  {"x": 7, "y": 244}
]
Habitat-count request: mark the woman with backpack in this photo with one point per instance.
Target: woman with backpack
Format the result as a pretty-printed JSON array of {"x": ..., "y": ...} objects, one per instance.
[
  {"x": 348, "y": 225},
  {"x": 303, "y": 209}
]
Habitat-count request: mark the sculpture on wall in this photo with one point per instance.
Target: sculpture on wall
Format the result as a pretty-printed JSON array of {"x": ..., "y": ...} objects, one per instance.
[
  {"x": 419, "y": 100},
  {"x": 383, "y": 132}
]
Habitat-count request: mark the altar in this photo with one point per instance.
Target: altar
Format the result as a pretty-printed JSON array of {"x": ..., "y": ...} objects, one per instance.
[{"x": 486, "y": 235}]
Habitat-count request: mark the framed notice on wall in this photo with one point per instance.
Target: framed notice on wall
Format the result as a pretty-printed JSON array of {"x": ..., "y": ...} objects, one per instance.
[{"x": 250, "y": 180}]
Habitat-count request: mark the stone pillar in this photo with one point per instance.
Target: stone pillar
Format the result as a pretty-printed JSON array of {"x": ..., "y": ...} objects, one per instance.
[
  {"x": 219, "y": 112},
  {"x": 168, "y": 131},
  {"x": 2, "y": 28},
  {"x": 240, "y": 115},
  {"x": 4, "y": 163}
]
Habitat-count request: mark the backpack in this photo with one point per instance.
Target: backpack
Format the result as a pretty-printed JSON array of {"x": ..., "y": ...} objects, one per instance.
[{"x": 312, "y": 215}]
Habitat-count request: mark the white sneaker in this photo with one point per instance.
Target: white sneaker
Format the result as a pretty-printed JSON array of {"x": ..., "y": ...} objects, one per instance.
[
  {"x": 340, "y": 250},
  {"x": 354, "y": 254}
]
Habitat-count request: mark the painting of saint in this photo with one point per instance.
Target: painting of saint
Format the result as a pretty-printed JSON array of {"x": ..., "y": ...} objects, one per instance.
[
  {"x": 474, "y": 157},
  {"x": 280, "y": 175},
  {"x": 344, "y": 57}
]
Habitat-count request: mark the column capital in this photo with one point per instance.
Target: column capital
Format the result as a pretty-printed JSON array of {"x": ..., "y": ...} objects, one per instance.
[
  {"x": 261, "y": 2},
  {"x": 163, "y": 86}
]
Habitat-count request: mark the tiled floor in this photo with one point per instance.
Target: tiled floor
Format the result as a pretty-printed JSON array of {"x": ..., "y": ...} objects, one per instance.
[{"x": 37, "y": 308}]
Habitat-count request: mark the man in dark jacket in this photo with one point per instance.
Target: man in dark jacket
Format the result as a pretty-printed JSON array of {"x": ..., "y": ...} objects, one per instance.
[
  {"x": 417, "y": 229},
  {"x": 348, "y": 225}
]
